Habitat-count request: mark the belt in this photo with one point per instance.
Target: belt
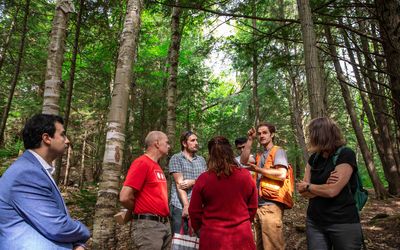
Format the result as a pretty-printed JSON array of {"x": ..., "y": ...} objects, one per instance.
[{"x": 150, "y": 217}]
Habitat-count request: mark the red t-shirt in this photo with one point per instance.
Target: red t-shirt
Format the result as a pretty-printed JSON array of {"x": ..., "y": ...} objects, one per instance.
[{"x": 147, "y": 177}]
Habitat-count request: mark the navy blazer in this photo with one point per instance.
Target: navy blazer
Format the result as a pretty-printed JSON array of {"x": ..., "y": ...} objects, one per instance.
[{"x": 32, "y": 211}]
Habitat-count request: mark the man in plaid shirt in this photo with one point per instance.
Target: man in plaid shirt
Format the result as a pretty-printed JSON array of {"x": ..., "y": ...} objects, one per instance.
[{"x": 185, "y": 167}]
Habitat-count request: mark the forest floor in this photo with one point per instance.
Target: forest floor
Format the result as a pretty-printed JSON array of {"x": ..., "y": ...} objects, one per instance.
[{"x": 380, "y": 220}]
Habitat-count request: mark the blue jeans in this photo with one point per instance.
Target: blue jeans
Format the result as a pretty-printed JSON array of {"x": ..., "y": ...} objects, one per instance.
[
  {"x": 176, "y": 221},
  {"x": 335, "y": 236}
]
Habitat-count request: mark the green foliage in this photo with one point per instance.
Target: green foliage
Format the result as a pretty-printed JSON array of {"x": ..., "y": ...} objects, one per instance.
[
  {"x": 12, "y": 150},
  {"x": 8, "y": 153},
  {"x": 83, "y": 203},
  {"x": 212, "y": 98},
  {"x": 2, "y": 170}
]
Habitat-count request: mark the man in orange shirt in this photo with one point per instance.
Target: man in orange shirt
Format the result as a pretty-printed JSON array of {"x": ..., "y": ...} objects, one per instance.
[{"x": 268, "y": 221}]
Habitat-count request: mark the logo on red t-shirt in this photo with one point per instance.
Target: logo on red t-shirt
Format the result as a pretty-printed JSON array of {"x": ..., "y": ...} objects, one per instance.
[{"x": 159, "y": 175}]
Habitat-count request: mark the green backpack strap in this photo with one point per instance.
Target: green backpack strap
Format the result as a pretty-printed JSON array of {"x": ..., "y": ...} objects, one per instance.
[
  {"x": 336, "y": 155},
  {"x": 334, "y": 158},
  {"x": 360, "y": 195}
]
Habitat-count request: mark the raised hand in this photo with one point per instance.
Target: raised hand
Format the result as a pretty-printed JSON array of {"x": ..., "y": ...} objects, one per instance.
[{"x": 252, "y": 133}]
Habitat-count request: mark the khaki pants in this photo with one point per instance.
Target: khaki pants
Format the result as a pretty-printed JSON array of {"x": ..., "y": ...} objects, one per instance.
[
  {"x": 268, "y": 227},
  {"x": 149, "y": 234}
]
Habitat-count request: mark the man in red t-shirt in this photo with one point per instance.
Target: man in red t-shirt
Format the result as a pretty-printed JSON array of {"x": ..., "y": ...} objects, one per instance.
[{"x": 145, "y": 193}]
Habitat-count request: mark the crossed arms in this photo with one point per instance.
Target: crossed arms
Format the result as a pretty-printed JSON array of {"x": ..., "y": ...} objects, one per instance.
[{"x": 335, "y": 183}]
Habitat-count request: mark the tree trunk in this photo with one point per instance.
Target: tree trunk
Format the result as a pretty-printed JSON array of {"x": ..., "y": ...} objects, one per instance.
[
  {"x": 315, "y": 80},
  {"x": 380, "y": 191},
  {"x": 294, "y": 98},
  {"x": 68, "y": 166},
  {"x": 99, "y": 141},
  {"x": 104, "y": 225},
  {"x": 298, "y": 167},
  {"x": 73, "y": 64},
  {"x": 380, "y": 111},
  {"x": 389, "y": 22},
  {"x": 396, "y": 128},
  {"x": 364, "y": 99},
  {"x": 143, "y": 110},
  {"x": 14, "y": 80},
  {"x": 89, "y": 168},
  {"x": 70, "y": 84},
  {"x": 296, "y": 118},
  {"x": 82, "y": 170},
  {"x": 255, "y": 72},
  {"x": 55, "y": 57},
  {"x": 173, "y": 61}
]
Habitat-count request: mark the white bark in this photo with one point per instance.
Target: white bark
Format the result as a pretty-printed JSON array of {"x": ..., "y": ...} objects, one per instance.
[
  {"x": 55, "y": 57},
  {"x": 104, "y": 225}
]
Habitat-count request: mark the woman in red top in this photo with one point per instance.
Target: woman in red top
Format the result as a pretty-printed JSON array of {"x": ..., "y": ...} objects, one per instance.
[{"x": 224, "y": 201}]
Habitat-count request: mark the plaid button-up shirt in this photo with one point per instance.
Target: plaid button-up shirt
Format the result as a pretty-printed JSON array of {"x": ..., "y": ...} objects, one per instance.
[{"x": 189, "y": 169}]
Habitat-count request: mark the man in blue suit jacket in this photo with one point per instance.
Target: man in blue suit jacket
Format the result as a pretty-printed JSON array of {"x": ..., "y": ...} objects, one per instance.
[{"x": 33, "y": 215}]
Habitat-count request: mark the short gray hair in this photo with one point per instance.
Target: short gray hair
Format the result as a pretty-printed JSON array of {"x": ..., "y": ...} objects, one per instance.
[{"x": 152, "y": 137}]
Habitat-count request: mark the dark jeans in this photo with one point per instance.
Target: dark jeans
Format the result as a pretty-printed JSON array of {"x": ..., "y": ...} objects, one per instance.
[
  {"x": 176, "y": 221},
  {"x": 336, "y": 236}
]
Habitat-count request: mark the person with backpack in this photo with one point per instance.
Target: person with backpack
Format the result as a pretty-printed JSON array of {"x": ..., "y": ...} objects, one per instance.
[
  {"x": 329, "y": 182},
  {"x": 270, "y": 174}
]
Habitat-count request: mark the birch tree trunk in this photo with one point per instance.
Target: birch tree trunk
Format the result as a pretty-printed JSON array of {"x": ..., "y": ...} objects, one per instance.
[
  {"x": 380, "y": 191},
  {"x": 173, "y": 61},
  {"x": 315, "y": 81},
  {"x": 14, "y": 80},
  {"x": 55, "y": 57},
  {"x": 107, "y": 196},
  {"x": 70, "y": 84}
]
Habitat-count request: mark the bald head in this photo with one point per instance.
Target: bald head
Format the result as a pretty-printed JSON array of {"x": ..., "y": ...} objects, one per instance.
[{"x": 152, "y": 137}]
